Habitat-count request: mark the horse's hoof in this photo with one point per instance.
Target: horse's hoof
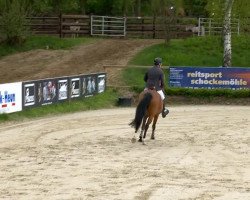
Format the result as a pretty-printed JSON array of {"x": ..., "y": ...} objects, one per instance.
[
  {"x": 152, "y": 138},
  {"x": 140, "y": 140},
  {"x": 133, "y": 140}
]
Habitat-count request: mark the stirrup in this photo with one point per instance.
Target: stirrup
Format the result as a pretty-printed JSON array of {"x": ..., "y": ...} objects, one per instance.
[{"x": 165, "y": 113}]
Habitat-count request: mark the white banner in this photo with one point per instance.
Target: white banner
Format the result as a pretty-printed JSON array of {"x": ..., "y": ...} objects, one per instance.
[
  {"x": 10, "y": 97},
  {"x": 101, "y": 83}
]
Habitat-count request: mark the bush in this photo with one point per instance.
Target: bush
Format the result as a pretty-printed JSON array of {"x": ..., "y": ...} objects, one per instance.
[
  {"x": 205, "y": 93},
  {"x": 13, "y": 22}
]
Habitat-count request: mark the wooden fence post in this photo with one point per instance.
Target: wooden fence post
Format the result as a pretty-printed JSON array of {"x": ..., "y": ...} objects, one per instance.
[
  {"x": 90, "y": 24},
  {"x": 154, "y": 18},
  {"x": 142, "y": 27},
  {"x": 60, "y": 25}
]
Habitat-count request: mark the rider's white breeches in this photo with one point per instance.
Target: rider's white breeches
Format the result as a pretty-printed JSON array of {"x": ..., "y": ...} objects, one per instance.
[{"x": 161, "y": 94}]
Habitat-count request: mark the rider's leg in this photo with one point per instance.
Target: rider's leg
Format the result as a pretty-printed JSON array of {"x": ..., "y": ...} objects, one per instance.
[{"x": 164, "y": 110}]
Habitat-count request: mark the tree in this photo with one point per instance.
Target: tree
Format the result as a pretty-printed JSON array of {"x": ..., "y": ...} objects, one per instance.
[
  {"x": 123, "y": 7},
  {"x": 138, "y": 7},
  {"x": 82, "y": 6},
  {"x": 127, "y": 7},
  {"x": 195, "y": 8},
  {"x": 227, "y": 55},
  {"x": 14, "y": 22},
  {"x": 167, "y": 10},
  {"x": 224, "y": 11}
]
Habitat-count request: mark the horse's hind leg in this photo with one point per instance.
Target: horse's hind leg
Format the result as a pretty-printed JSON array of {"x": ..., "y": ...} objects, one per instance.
[
  {"x": 147, "y": 125},
  {"x": 153, "y": 127},
  {"x": 142, "y": 128}
]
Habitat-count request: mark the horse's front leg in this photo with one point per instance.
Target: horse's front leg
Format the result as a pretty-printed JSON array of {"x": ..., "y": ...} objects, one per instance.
[
  {"x": 142, "y": 128},
  {"x": 153, "y": 127}
]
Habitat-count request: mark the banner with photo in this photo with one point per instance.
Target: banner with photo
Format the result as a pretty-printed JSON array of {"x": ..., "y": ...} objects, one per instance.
[
  {"x": 91, "y": 85},
  {"x": 46, "y": 91},
  {"x": 101, "y": 83},
  {"x": 10, "y": 97},
  {"x": 29, "y": 93},
  {"x": 63, "y": 89},
  {"x": 17, "y": 96},
  {"x": 75, "y": 90},
  {"x": 210, "y": 77},
  {"x": 83, "y": 85}
]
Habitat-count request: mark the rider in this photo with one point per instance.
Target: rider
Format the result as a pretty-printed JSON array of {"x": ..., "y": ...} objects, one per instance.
[{"x": 154, "y": 79}]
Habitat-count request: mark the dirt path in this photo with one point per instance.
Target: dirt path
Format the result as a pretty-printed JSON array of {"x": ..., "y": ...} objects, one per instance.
[
  {"x": 83, "y": 59},
  {"x": 200, "y": 152}
]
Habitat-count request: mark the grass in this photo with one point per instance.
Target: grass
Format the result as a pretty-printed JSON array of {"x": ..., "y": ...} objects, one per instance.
[
  {"x": 133, "y": 76},
  {"x": 104, "y": 100},
  {"x": 189, "y": 52},
  {"x": 107, "y": 99},
  {"x": 43, "y": 42},
  {"x": 196, "y": 51}
]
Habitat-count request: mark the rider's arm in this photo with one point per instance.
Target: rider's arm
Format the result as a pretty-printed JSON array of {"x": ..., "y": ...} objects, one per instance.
[
  {"x": 162, "y": 83},
  {"x": 146, "y": 77}
]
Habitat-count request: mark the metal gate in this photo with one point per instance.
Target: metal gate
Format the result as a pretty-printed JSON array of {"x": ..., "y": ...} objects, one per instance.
[
  {"x": 108, "y": 26},
  {"x": 209, "y": 26}
]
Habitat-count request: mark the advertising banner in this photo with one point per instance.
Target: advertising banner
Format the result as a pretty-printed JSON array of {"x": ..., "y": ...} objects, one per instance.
[
  {"x": 91, "y": 85},
  {"x": 209, "y": 77},
  {"x": 101, "y": 81},
  {"x": 29, "y": 94},
  {"x": 46, "y": 91},
  {"x": 84, "y": 85},
  {"x": 63, "y": 89},
  {"x": 17, "y": 96},
  {"x": 10, "y": 97},
  {"x": 75, "y": 89}
]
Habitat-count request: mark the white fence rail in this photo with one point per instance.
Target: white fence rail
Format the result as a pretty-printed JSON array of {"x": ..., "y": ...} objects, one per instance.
[
  {"x": 108, "y": 26},
  {"x": 209, "y": 26}
]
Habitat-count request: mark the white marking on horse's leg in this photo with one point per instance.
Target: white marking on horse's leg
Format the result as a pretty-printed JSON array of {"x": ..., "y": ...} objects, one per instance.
[
  {"x": 141, "y": 134},
  {"x": 143, "y": 141}
]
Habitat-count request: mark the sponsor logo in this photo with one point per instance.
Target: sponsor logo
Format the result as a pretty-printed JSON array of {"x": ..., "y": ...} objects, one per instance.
[{"x": 7, "y": 98}]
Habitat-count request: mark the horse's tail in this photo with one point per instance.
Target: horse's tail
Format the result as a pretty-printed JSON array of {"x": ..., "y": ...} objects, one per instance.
[{"x": 140, "y": 111}]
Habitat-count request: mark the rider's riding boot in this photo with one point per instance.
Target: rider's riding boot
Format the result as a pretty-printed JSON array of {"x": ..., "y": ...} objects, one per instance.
[{"x": 165, "y": 111}]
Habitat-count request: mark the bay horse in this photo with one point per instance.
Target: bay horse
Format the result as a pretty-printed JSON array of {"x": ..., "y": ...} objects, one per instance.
[{"x": 148, "y": 109}]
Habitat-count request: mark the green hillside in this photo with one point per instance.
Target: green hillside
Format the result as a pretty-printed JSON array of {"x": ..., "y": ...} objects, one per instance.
[{"x": 196, "y": 51}]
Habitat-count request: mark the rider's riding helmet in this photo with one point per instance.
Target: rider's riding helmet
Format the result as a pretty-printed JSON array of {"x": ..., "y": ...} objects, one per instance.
[{"x": 157, "y": 61}]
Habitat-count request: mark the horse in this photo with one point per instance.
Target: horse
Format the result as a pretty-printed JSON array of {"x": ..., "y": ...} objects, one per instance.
[{"x": 148, "y": 109}]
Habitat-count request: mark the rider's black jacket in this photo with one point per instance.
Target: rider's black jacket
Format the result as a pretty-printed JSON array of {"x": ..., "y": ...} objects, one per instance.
[{"x": 154, "y": 78}]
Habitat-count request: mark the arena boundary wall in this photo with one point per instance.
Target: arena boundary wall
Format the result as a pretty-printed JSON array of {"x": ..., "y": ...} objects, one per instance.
[{"x": 18, "y": 96}]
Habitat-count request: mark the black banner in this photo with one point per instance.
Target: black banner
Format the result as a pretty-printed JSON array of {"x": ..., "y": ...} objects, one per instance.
[
  {"x": 75, "y": 89},
  {"x": 63, "y": 89},
  {"x": 91, "y": 85},
  {"x": 47, "y": 91},
  {"x": 29, "y": 94},
  {"x": 101, "y": 83}
]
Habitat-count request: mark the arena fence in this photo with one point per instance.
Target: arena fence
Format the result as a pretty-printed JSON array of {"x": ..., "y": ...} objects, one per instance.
[
  {"x": 131, "y": 27},
  {"x": 234, "y": 78},
  {"x": 18, "y": 96},
  {"x": 209, "y": 26},
  {"x": 108, "y": 26}
]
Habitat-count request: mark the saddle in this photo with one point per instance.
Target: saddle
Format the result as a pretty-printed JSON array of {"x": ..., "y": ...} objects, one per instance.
[{"x": 150, "y": 88}]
